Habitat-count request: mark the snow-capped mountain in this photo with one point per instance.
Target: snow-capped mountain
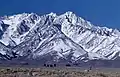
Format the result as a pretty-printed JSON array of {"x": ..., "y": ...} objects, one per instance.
[{"x": 62, "y": 37}]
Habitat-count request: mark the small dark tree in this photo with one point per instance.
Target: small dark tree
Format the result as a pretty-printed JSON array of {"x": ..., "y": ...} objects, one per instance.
[
  {"x": 47, "y": 65},
  {"x": 44, "y": 65},
  {"x": 68, "y": 65},
  {"x": 90, "y": 68},
  {"x": 51, "y": 65},
  {"x": 54, "y": 65}
]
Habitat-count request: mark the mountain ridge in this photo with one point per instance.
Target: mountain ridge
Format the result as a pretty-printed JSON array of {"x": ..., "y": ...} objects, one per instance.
[{"x": 65, "y": 36}]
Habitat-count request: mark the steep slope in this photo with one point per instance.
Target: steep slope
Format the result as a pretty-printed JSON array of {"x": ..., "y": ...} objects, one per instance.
[
  {"x": 6, "y": 53},
  {"x": 99, "y": 40},
  {"x": 61, "y": 37},
  {"x": 46, "y": 39},
  {"x": 18, "y": 26}
]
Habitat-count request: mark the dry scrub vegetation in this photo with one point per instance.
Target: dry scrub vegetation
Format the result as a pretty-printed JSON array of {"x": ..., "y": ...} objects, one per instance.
[{"x": 53, "y": 72}]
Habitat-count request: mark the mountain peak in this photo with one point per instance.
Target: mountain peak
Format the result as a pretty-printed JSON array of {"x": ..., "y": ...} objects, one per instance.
[
  {"x": 69, "y": 13},
  {"x": 53, "y": 14},
  {"x": 67, "y": 37}
]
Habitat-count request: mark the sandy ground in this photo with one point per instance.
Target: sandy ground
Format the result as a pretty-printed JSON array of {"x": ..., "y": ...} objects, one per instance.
[{"x": 58, "y": 72}]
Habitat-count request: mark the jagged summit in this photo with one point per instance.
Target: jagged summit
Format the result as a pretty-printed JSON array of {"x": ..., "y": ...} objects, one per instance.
[{"x": 65, "y": 37}]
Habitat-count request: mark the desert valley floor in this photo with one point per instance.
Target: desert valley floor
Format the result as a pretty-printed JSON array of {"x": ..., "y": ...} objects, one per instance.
[{"x": 58, "y": 72}]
